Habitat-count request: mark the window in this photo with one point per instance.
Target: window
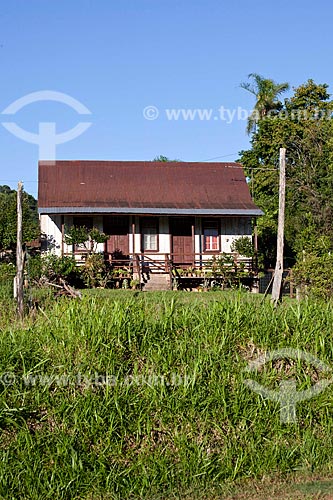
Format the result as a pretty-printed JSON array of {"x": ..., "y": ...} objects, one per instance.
[
  {"x": 211, "y": 236},
  {"x": 150, "y": 235},
  {"x": 83, "y": 221},
  {"x": 116, "y": 224}
]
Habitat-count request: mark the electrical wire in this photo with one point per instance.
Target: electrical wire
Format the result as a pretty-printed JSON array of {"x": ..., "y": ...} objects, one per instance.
[{"x": 217, "y": 157}]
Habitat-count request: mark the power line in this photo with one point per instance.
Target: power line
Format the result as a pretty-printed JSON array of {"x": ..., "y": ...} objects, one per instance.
[
  {"x": 233, "y": 166},
  {"x": 217, "y": 157}
]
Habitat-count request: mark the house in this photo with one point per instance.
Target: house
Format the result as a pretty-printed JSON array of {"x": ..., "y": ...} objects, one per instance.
[{"x": 155, "y": 213}]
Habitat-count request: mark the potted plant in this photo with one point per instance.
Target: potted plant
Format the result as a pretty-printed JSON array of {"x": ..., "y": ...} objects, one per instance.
[
  {"x": 134, "y": 284},
  {"x": 190, "y": 271}
]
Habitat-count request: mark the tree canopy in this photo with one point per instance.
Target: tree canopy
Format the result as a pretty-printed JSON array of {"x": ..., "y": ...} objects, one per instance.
[
  {"x": 304, "y": 126},
  {"x": 163, "y": 159},
  {"x": 8, "y": 218}
]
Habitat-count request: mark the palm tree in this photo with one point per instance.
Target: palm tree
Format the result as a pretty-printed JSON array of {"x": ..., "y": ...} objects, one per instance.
[{"x": 266, "y": 92}]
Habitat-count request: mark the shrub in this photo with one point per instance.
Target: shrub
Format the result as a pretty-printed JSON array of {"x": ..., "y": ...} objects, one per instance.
[
  {"x": 314, "y": 274},
  {"x": 52, "y": 268},
  {"x": 243, "y": 246},
  {"x": 89, "y": 238},
  {"x": 7, "y": 274},
  {"x": 94, "y": 272}
]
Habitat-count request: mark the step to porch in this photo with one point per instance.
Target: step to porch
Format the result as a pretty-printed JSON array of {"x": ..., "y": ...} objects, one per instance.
[{"x": 157, "y": 282}]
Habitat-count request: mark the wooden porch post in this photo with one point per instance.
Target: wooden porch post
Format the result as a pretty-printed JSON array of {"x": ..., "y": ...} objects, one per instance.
[
  {"x": 133, "y": 235},
  {"x": 135, "y": 263},
  {"x": 62, "y": 235},
  {"x": 193, "y": 243},
  {"x": 200, "y": 240}
]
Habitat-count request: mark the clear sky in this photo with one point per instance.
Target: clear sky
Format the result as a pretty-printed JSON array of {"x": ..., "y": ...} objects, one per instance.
[{"x": 119, "y": 57}]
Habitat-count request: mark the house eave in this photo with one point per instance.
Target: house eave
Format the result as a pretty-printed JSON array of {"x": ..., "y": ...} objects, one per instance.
[{"x": 151, "y": 211}]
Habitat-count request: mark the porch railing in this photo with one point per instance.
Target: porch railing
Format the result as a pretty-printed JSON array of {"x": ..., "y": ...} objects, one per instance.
[{"x": 197, "y": 265}]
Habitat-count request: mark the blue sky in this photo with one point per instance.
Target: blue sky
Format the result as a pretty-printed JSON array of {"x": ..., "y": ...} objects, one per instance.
[{"x": 118, "y": 57}]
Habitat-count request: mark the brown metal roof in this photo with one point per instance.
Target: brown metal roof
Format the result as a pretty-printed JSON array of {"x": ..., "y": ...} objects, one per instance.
[{"x": 78, "y": 186}]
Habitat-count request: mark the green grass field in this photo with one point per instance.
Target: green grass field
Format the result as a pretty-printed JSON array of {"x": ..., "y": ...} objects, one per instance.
[{"x": 127, "y": 395}]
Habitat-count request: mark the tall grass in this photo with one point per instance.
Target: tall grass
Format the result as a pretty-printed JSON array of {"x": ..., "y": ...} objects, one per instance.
[{"x": 175, "y": 415}]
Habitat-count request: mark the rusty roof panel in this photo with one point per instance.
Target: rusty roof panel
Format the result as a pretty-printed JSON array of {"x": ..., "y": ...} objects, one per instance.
[{"x": 139, "y": 184}]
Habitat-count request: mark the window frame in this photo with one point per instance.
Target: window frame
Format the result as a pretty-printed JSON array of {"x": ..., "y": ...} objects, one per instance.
[
  {"x": 211, "y": 224},
  {"x": 149, "y": 222}
]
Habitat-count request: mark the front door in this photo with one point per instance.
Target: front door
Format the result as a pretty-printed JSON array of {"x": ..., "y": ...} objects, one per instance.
[
  {"x": 182, "y": 240},
  {"x": 117, "y": 227}
]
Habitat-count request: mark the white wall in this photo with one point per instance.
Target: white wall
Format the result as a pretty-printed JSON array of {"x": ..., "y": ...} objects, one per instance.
[
  {"x": 231, "y": 229},
  {"x": 51, "y": 229},
  {"x": 164, "y": 236},
  {"x": 137, "y": 236},
  {"x": 197, "y": 235},
  {"x": 68, "y": 221}
]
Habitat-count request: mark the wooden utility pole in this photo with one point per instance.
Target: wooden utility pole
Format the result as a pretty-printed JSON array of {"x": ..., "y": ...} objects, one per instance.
[
  {"x": 19, "y": 255},
  {"x": 278, "y": 274}
]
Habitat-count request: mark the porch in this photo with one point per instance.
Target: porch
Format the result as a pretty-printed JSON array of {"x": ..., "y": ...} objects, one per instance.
[
  {"x": 187, "y": 251},
  {"x": 149, "y": 273}
]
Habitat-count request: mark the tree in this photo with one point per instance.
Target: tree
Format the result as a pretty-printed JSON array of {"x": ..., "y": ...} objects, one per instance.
[
  {"x": 266, "y": 92},
  {"x": 304, "y": 126},
  {"x": 8, "y": 218},
  {"x": 163, "y": 158},
  {"x": 88, "y": 238}
]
